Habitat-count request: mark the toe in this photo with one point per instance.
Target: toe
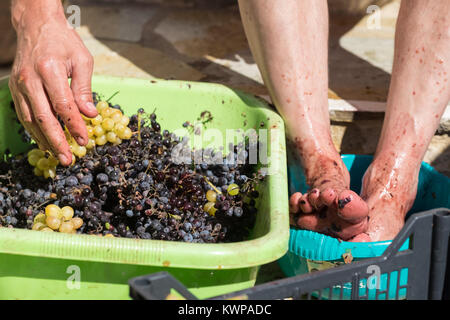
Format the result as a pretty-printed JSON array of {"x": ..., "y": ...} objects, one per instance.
[
  {"x": 328, "y": 197},
  {"x": 294, "y": 202},
  {"x": 351, "y": 207},
  {"x": 309, "y": 222},
  {"x": 346, "y": 230},
  {"x": 362, "y": 237},
  {"x": 305, "y": 206},
  {"x": 313, "y": 198}
]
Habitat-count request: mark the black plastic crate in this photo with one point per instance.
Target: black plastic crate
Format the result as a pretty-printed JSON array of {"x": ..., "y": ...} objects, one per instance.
[{"x": 426, "y": 260}]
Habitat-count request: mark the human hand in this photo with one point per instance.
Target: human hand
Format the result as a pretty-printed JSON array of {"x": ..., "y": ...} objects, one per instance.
[{"x": 49, "y": 52}]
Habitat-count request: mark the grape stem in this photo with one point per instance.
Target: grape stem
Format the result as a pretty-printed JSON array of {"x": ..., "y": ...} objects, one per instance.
[
  {"x": 212, "y": 186},
  {"x": 114, "y": 94}
]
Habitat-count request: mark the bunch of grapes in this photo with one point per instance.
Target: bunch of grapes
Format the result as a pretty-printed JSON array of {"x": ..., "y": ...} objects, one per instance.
[
  {"x": 57, "y": 219},
  {"x": 126, "y": 184},
  {"x": 111, "y": 125},
  {"x": 44, "y": 163}
]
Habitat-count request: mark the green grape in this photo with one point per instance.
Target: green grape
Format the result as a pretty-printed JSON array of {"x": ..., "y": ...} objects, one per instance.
[
  {"x": 53, "y": 222},
  {"x": 211, "y": 196},
  {"x": 49, "y": 173},
  {"x": 99, "y": 131},
  {"x": 119, "y": 128},
  {"x": 42, "y": 164},
  {"x": 108, "y": 124},
  {"x": 79, "y": 151},
  {"x": 38, "y": 226},
  {"x": 90, "y": 131},
  {"x": 101, "y": 140},
  {"x": 38, "y": 172},
  {"x": 67, "y": 213},
  {"x": 90, "y": 144},
  {"x": 111, "y": 137},
  {"x": 209, "y": 207},
  {"x": 52, "y": 161},
  {"x": 116, "y": 117},
  {"x": 126, "y": 134},
  {"x": 53, "y": 210},
  {"x": 40, "y": 217},
  {"x": 33, "y": 159},
  {"x": 106, "y": 113},
  {"x": 36, "y": 152},
  {"x": 101, "y": 105},
  {"x": 118, "y": 141},
  {"x": 97, "y": 120},
  {"x": 124, "y": 120},
  {"x": 233, "y": 189},
  {"x": 66, "y": 227},
  {"x": 77, "y": 222}
]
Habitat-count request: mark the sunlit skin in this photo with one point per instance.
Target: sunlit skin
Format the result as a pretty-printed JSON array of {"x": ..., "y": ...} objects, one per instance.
[
  {"x": 48, "y": 52},
  {"x": 288, "y": 40}
]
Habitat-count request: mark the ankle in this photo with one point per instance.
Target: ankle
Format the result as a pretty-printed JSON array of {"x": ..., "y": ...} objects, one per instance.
[
  {"x": 391, "y": 177},
  {"x": 323, "y": 167}
]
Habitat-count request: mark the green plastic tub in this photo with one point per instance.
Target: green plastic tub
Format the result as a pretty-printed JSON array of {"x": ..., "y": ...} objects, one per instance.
[{"x": 38, "y": 265}]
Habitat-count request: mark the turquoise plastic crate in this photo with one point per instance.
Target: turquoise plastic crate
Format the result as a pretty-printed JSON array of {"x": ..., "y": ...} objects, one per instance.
[{"x": 311, "y": 251}]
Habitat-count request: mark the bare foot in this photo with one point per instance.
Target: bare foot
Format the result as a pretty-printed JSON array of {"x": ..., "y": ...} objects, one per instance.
[
  {"x": 389, "y": 192},
  {"x": 330, "y": 207}
]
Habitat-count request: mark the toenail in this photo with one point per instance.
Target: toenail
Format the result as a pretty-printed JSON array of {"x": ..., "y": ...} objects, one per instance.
[{"x": 343, "y": 202}]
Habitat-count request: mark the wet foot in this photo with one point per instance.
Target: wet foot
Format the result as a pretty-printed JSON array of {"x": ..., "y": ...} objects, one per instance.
[
  {"x": 330, "y": 207},
  {"x": 389, "y": 192}
]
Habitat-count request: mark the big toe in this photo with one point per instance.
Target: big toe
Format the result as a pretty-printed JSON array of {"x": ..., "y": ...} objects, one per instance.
[
  {"x": 362, "y": 237},
  {"x": 346, "y": 230},
  {"x": 351, "y": 207}
]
